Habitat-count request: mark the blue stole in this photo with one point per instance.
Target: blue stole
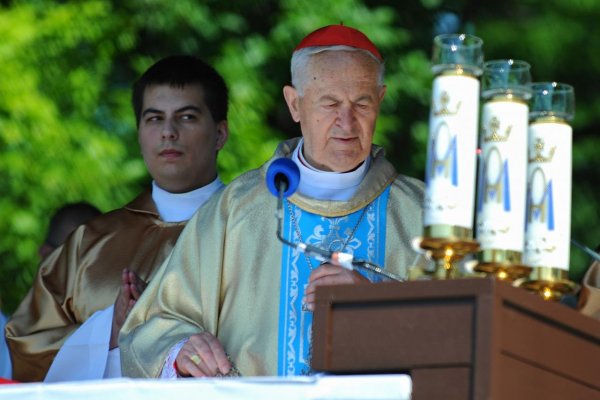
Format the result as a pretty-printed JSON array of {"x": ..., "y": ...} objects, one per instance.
[{"x": 367, "y": 243}]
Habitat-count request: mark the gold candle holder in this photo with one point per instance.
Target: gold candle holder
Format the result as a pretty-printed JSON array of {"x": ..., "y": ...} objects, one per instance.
[
  {"x": 549, "y": 283},
  {"x": 451, "y": 164},
  {"x": 504, "y": 265},
  {"x": 503, "y": 168},
  {"x": 446, "y": 252},
  {"x": 548, "y": 222}
]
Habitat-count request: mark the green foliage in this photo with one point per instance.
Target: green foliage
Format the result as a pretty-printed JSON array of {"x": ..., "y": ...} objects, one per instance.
[
  {"x": 53, "y": 151},
  {"x": 67, "y": 132}
]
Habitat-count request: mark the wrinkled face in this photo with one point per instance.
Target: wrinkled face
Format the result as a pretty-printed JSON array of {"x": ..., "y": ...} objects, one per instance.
[
  {"x": 179, "y": 138},
  {"x": 338, "y": 110}
]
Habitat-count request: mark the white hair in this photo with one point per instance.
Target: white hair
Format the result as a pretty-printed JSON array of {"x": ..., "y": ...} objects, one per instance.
[{"x": 301, "y": 58}]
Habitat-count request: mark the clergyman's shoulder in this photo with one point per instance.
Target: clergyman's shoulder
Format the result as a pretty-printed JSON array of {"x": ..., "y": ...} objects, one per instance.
[{"x": 410, "y": 185}]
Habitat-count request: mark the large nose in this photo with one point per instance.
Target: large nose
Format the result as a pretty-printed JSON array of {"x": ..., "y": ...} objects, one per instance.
[
  {"x": 169, "y": 129},
  {"x": 346, "y": 117}
]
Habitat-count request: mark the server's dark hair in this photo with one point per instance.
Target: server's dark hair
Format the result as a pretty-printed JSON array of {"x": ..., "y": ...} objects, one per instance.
[{"x": 179, "y": 71}]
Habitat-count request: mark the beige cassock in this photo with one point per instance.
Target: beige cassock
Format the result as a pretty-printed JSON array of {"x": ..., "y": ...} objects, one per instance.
[
  {"x": 224, "y": 273},
  {"x": 84, "y": 276},
  {"x": 589, "y": 300}
]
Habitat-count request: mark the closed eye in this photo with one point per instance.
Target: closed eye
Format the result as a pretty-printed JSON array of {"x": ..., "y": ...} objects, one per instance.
[{"x": 329, "y": 104}]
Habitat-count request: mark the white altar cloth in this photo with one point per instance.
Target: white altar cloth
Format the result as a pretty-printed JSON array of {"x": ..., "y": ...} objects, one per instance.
[{"x": 320, "y": 387}]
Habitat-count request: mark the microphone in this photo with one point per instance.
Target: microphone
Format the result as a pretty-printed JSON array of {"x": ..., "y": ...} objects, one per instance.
[
  {"x": 282, "y": 180},
  {"x": 283, "y": 177}
]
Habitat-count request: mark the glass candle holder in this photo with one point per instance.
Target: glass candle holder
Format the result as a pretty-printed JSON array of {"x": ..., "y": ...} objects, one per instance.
[
  {"x": 451, "y": 154},
  {"x": 503, "y": 168},
  {"x": 457, "y": 53},
  {"x": 548, "y": 213}
]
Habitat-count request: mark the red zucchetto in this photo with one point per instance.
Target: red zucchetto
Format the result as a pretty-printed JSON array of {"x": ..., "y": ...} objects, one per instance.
[{"x": 339, "y": 35}]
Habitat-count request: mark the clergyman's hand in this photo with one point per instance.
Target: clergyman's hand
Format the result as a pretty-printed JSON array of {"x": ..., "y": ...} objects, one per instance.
[
  {"x": 328, "y": 274},
  {"x": 132, "y": 287},
  {"x": 202, "y": 356}
]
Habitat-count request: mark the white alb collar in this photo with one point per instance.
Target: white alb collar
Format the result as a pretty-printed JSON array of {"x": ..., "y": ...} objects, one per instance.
[
  {"x": 178, "y": 207},
  {"x": 326, "y": 185}
]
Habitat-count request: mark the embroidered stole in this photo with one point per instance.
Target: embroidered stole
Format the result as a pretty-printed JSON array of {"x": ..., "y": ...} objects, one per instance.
[{"x": 367, "y": 243}]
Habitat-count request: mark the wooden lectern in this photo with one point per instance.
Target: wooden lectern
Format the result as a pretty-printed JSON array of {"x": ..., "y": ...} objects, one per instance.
[{"x": 459, "y": 339}]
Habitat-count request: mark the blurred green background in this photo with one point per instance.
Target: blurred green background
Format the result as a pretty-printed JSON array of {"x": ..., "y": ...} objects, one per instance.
[{"x": 67, "y": 132}]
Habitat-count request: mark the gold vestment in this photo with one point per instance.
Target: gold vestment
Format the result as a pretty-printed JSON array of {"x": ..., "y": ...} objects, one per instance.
[
  {"x": 224, "y": 273},
  {"x": 84, "y": 276}
]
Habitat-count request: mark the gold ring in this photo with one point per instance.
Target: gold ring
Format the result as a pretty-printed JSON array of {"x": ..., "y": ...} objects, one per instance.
[{"x": 196, "y": 359}]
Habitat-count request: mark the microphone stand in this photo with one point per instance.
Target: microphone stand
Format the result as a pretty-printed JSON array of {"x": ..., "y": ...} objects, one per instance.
[
  {"x": 586, "y": 250},
  {"x": 338, "y": 258}
]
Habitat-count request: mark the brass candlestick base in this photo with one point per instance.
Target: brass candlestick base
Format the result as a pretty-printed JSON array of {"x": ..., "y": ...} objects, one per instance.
[
  {"x": 549, "y": 283},
  {"x": 504, "y": 265},
  {"x": 503, "y": 272},
  {"x": 445, "y": 252}
]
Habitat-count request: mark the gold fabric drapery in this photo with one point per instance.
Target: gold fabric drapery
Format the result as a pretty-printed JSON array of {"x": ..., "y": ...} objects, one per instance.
[{"x": 84, "y": 276}]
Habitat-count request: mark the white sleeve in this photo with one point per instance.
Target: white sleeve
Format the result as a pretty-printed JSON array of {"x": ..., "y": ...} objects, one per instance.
[
  {"x": 168, "y": 370},
  {"x": 113, "y": 364},
  {"x": 84, "y": 355}
]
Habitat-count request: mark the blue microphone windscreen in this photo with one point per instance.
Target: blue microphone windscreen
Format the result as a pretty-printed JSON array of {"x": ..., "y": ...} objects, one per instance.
[{"x": 283, "y": 170}]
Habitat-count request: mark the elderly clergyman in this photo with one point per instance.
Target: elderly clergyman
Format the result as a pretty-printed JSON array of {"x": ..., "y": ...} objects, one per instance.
[{"x": 231, "y": 296}]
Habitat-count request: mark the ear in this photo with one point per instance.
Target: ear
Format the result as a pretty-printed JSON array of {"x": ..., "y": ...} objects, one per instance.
[
  {"x": 222, "y": 134},
  {"x": 382, "y": 93},
  {"x": 291, "y": 98}
]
